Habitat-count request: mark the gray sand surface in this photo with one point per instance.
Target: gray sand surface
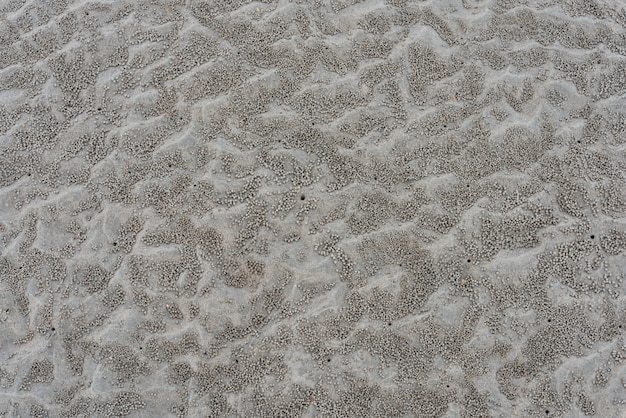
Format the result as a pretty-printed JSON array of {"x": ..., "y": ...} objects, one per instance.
[{"x": 322, "y": 208}]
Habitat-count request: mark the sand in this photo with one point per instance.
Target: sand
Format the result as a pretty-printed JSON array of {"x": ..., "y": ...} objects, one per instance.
[{"x": 325, "y": 208}]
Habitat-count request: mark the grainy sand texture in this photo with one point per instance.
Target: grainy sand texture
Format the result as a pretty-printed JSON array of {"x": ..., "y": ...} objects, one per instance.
[{"x": 320, "y": 208}]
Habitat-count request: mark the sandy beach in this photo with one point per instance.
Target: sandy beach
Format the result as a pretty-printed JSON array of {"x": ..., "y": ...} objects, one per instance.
[{"x": 324, "y": 208}]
